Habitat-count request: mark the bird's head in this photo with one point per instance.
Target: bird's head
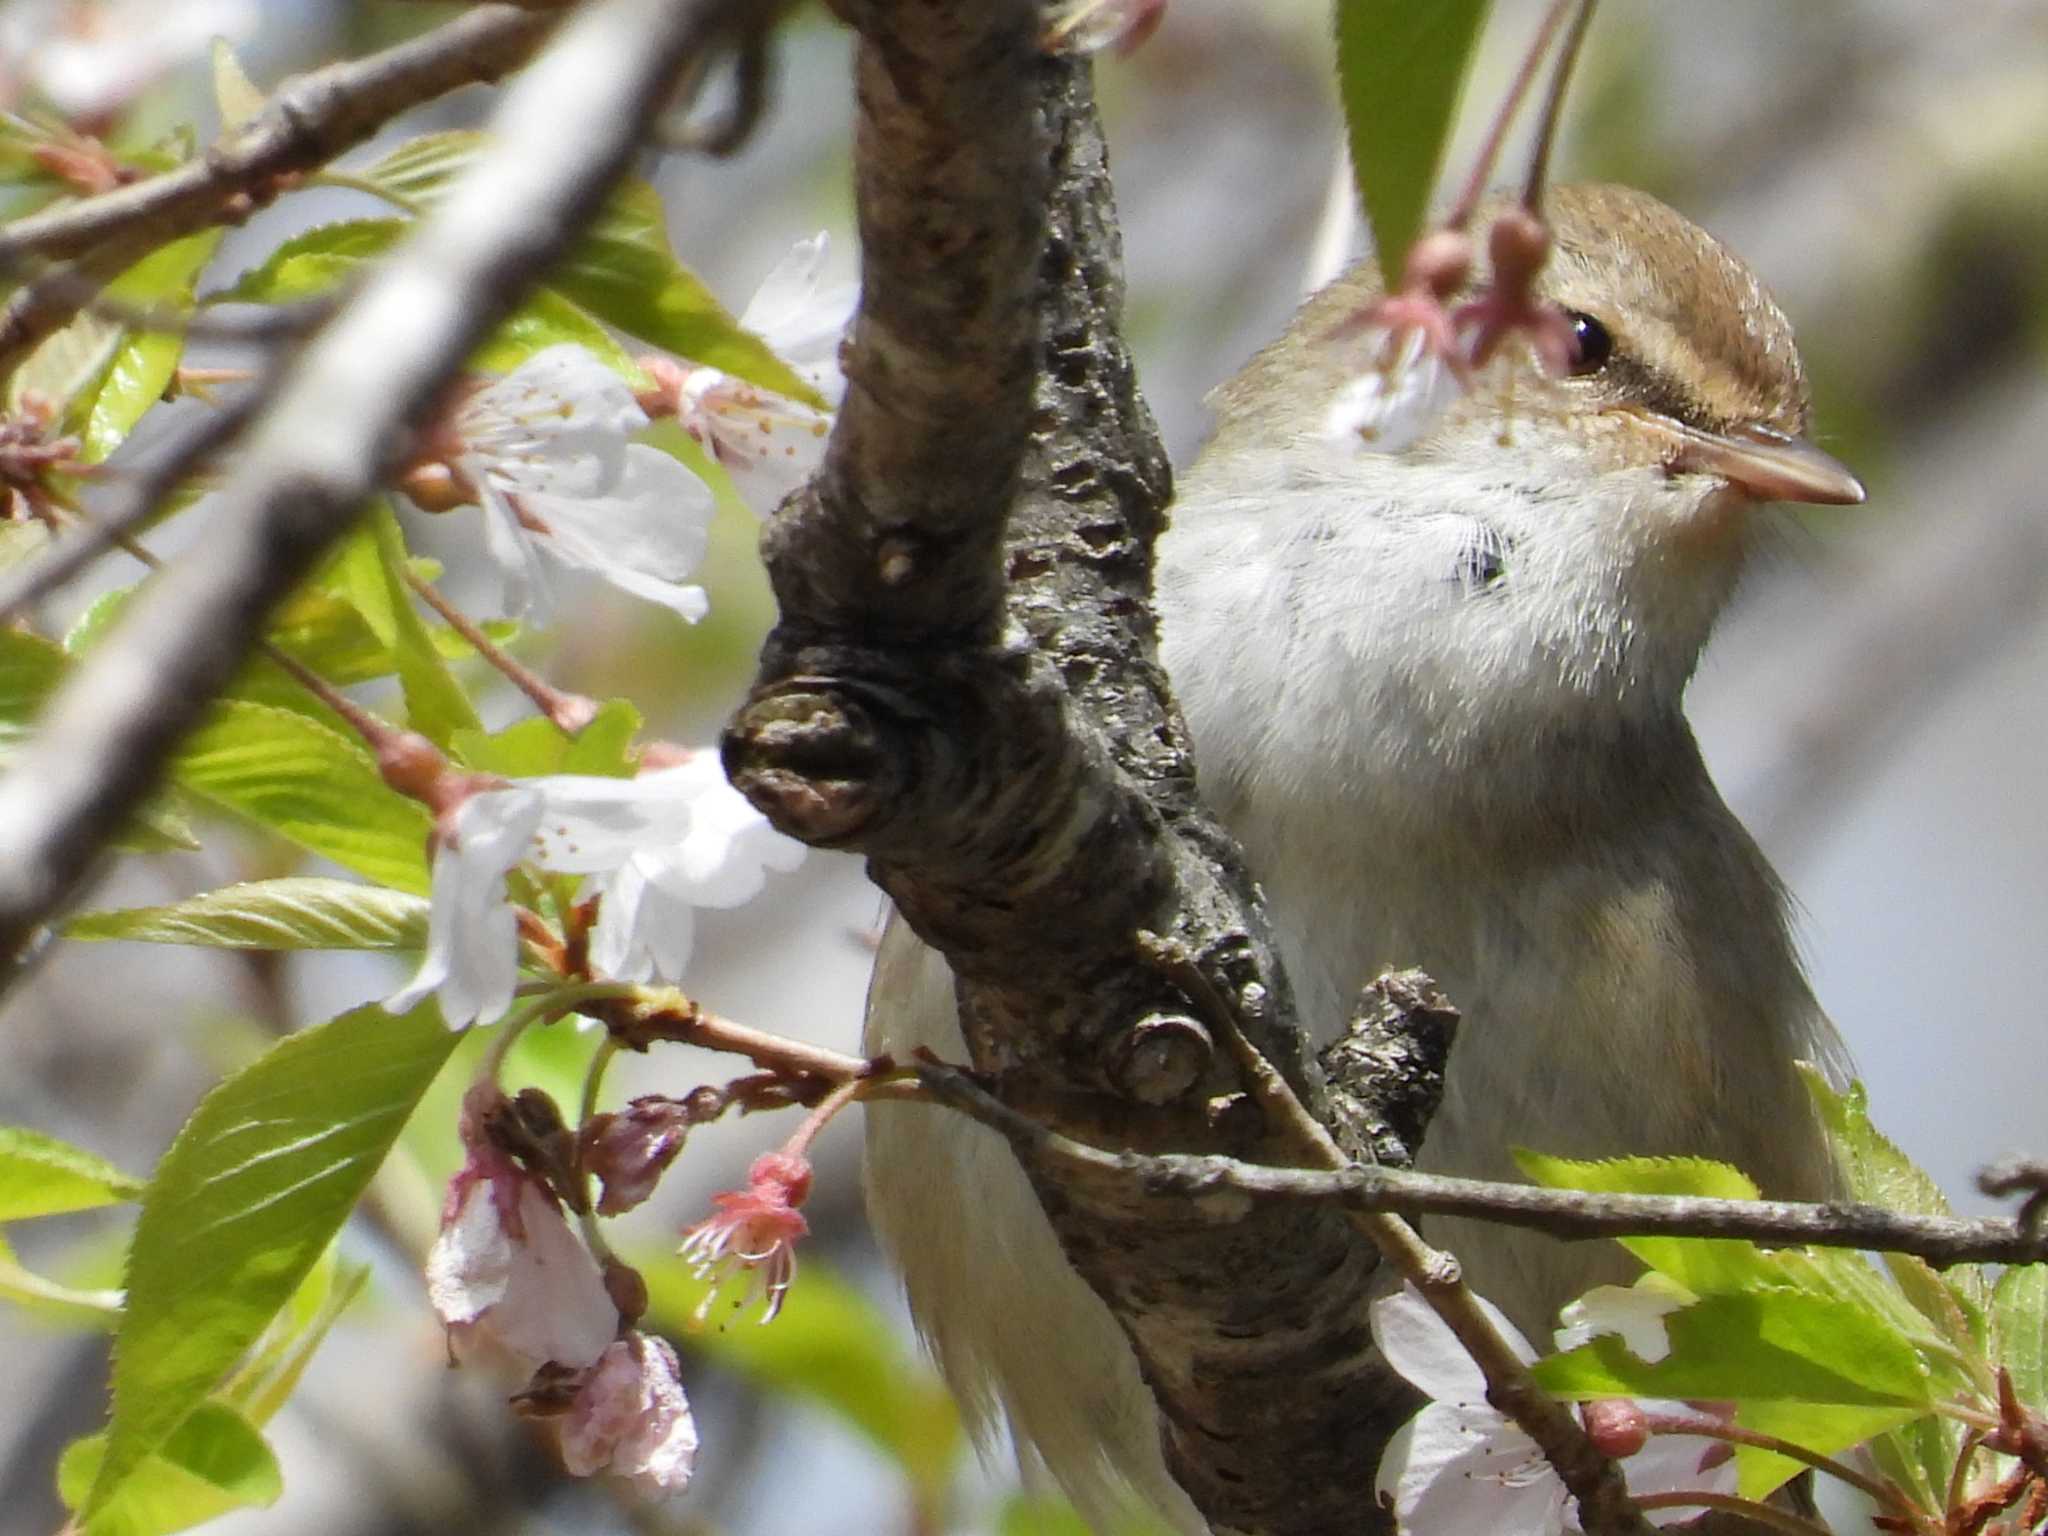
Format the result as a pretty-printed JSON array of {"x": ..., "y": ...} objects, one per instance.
[{"x": 1544, "y": 544}]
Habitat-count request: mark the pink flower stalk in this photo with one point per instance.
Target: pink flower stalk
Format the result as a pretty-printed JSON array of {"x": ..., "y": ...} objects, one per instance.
[
  {"x": 756, "y": 1230},
  {"x": 630, "y": 1417}
]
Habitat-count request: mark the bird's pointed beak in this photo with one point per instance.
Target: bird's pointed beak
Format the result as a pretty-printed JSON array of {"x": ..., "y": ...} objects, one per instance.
[{"x": 1767, "y": 464}]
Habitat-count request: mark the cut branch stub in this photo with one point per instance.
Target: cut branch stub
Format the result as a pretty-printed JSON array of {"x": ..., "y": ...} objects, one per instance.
[{"x": 812, "y": 760}]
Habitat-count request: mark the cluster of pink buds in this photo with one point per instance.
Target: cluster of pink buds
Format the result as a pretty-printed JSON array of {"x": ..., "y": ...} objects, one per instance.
[{"x": 514, "y": 1284}]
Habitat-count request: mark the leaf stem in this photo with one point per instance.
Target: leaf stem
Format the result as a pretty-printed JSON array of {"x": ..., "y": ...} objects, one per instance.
[
  {"x": 1708, "y": 1427},
  {"x": 1761, "y": 1513}
]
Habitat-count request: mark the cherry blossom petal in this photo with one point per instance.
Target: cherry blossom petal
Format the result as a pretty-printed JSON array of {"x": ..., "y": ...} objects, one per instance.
[
  {"x": 644, "y": 929},
  {"x": 594, "y": 824},
  {"x": 647, "y": 532},
  {"x": 537, "y": 1296},
  {"x": 801, "y": 322},
  {"x": 1452, "y": 1470},
  {"x": 1634, "y": 1312},
  {"x": 472, "y": 953},
  {"x": 546, "y": 450},
  {"x": 724, "y": 858},
  {"x": 1420, "y": 1345},
  {"x": 632, "y": 1419}
]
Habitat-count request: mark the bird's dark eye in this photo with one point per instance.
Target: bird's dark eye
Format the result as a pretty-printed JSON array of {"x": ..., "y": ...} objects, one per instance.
[{"x": 1591, "y": 345}]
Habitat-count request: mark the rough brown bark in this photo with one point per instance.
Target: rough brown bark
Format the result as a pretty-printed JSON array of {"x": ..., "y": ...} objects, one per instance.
[{"x": 964, "y": 687}]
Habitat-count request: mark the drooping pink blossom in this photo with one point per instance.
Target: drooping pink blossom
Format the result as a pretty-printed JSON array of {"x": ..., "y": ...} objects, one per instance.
[{"x": 754, "y": 1233}]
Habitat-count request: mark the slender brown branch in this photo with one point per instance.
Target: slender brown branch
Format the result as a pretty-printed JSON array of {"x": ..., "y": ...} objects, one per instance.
[
  {"x": 1569, "y": 1215},
  {"x": 1553, "y": 107},
  {"x": 1750, "y": 1509},
  {"x": 1707, "y": 1427},
  {"x": 309, "y": 121},
  {"x": 334, "y": 425}
]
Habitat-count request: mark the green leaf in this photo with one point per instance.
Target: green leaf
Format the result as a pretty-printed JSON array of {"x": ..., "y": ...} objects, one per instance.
[
  {"x": 435, "y": 704},
  {"x": 267, "y": 1381},
  {"x": 1760, "y": 1346},
  {"x": 235, "y": 95},
  {"x": 1878, "y": 1172},
  {"x": 253, "y": 1189},
  {"x": 30, "y": 669},
  {"x": 624, "y": 272},
  {"x": 547, "y": 319},
  {"x": 214, "y": 1462},
  {"x": 64, "y": 1305},
  {"x": 418, "y": 171},
  {"x": 830, "y": 1345},
  {"x": 65, "y": 366},
  {"x": 1913, "y": 1456},
  {"x": 145, "y": 361},
  {"x": 310, "y": 785},
  {"x": 41, "y": 1176},
  {"x": 537, "y": 746},
  {"x": 298, "y": 912},
  {"x": 1401, "y": 68},
  {"x": 1703, "y": 1266},
  {"x": 20, "y": 542},
  {"x": 2019, "y": 1308},
  {"x": 312, "y": 262}
]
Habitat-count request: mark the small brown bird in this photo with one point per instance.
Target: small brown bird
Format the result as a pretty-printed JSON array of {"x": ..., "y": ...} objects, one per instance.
[{"x": 1437, "y": 695}]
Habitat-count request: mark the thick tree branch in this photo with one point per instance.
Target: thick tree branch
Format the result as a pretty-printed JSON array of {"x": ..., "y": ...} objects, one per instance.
[
  {"x": 333, "y": 424},
  {"x": 963, "y": 686}
]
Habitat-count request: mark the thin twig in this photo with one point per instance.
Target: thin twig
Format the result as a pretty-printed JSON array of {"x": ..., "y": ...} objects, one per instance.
[
  {"x": 1497, "y": 133},
  {"x": 1591, "y": 1475},
  {"x": 308, "y": 121},
  {"x": 1553, "y": 107},
  {"x": 1569, "y": 1215},
  {"x": 570, "y": 712},
  {"x": 142, "y": 496},
  {"x": 1751, "y": 1509},
  {"x": 333, "y": 427}
]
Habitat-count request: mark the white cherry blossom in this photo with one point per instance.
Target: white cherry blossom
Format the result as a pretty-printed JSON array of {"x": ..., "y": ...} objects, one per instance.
[
  {"x": 769, "y": 444},
  {"x": 646, "y": 915},
  {"x": 653, "y": 848},
  {"x": 472, "y": 954},
  {"x": 508, "y": 1276},
  {"x": 546, "y": 452},
  {"x": 1461, "y": 1465}
]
